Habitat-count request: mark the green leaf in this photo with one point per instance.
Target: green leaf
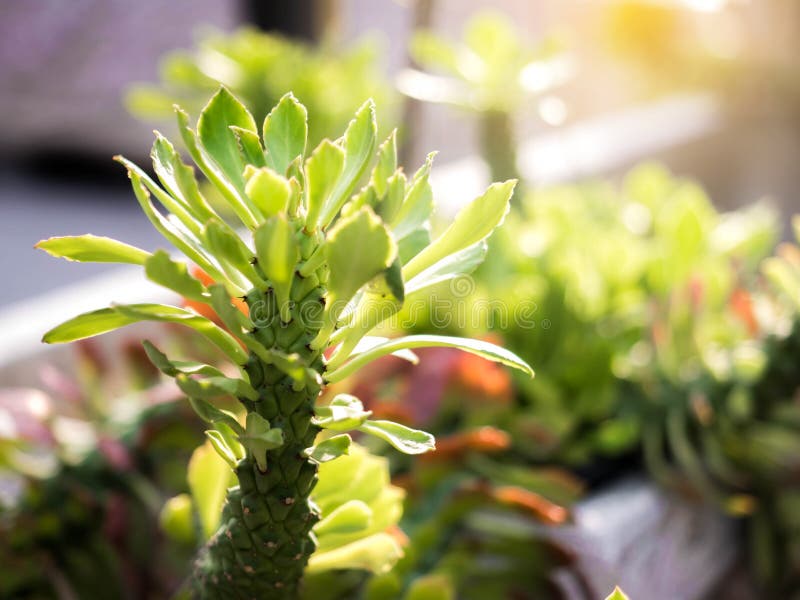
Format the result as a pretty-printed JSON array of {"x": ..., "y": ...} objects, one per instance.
[
  {"x": 376, "y": 553},
  {"x": 473, "y": 224},
  {"x": 344, "y": 413},
  {"x": 91, "y": 248},
  {"x": 330, "y": 449},
  {"x": 221, "y": 447},
  {"x": 260, "y": 437},
  {"x": 617, "y": 594},
  {"x": 180, "y": 211},
  {"x": 450, "y": 267},
  {"x": 173, "y": 275},
  {"x": 249, "y": 146},
  {"x": 405, "y": 439},
  {"x": 418, "y": 203},
  {"x": 179, "y": 179},
  {"x": 178, "y": 237},
  {"x": 395, "y": 193},
  {"x": 213, "y": 387},
  {"x": 211, "y": 414},
  {"x": 229, "y": 249},
  {"x": 359, "y": 146},
  {"x": 350, "y": 517},
  {"x": 209, "y": 478},
  {"x": 278, "y": 255},
  {"x": 214, "y": 130},
  {"x": 173, "y": 367},
  {"x": 413, "y": 244},
  {"x": 478, "y": 347},
  {"x": 172, "y": 314},
  {"x": 371, "y": 341},
  {"x": 386, "y": 164},
  {"x": 357, "y": 249},
  {"x": 269, "y": 191},
  {"x": 285, "y": 133},
  {"x": 323, "y": 169},
  {"x": 107, "y": 319},
  {"x": 232, "y": 192}
]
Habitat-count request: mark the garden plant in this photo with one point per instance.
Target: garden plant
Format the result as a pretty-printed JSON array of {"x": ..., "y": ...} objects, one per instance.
[
  {"x": 317, "y": 264},
  {"x": 259, "y": 68}
]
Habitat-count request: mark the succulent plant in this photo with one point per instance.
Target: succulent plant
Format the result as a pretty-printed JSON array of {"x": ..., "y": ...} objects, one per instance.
[{"x": 319, "y": 265}]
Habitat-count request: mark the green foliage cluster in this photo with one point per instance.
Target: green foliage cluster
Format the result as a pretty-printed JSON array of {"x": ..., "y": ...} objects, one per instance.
[{"x": 588, "y": 273}]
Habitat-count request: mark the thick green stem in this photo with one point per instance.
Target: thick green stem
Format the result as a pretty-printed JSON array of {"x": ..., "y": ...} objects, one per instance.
[
  {"x": 498, "y": 145},
  {"x": 265, "y": 540}
]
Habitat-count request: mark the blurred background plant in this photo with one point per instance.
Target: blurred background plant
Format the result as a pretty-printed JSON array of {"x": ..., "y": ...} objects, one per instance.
[
  {"x": 259, "y": 67},
  {"x": 493, "y": 72}
]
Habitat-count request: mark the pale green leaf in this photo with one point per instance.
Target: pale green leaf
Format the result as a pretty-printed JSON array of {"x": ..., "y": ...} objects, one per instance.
[
  {"x": 413, "y": 244},
  {"x": 178, "y": 209},
  {"x": 91, "y": 248},
  {"x": 357, "y": 249},
  {"x": 213, "y": 415},
  {"x": 418, "y": 203},
  {"x": 269, "y": 191},
  {"x": 359, "y": 147},
  {"x": 377, "y": 553},
  {"x": 230, "y": 249},
  {"x": 221, "y": 447},
  {"x": 322, "y": 169},
  {"x": 350, "y": 517},
  {"x": 178, "y": 237},
  {"x": 107, "y": 319},
  {"x": 454, "y": 265},
  {"x": 232, "y": 192},
  {"x": 344, "y": 413},
  {"x": 213, "y": 387},
  {"x": 405, "y": 439},
  {"x": 330, "y": 449},
  {"x": 259, "y": 437},
  {"x": 386, "y": 164},
  {"x": 478, "y": 347},
  {"x": 174, "y": 275},
  {"x": 179, "y": 179},
  {"x": 209, "y": 478},
  {"x": 278, "y": 255},
  {"x": 173, "y": 367},
  {"x": 222, "y": 112},
  {"x": 285, "y": 133},
  {"x": 472, "y": 224},
  {"x": 249, "y": 146},
  {"x": 395, "y": 193}
]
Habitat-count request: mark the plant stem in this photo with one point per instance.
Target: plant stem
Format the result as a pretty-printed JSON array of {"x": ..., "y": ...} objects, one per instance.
[
  {"x": 498, "y": 145},
  {"x": 264, "y": 542}
]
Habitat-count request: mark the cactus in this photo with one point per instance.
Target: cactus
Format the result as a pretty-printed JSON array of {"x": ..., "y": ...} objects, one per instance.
[{"x": 319, "y": 266}]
